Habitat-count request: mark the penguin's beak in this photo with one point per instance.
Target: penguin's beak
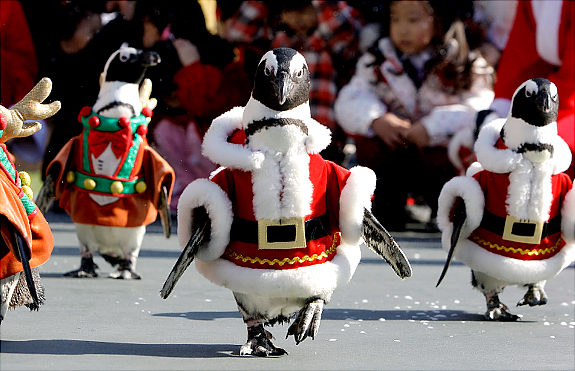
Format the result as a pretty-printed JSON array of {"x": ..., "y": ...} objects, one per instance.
[
  {"x": 285, "y": 86},
  {"x": 149, "y": 58},
  {"x": 543, "y": 102}
]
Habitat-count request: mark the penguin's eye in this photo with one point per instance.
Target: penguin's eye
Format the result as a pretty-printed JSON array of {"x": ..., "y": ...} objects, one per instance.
[
  {"x": 124, "y": 57},
  {"x": 528, "y": 93},
  {"x": 268, "y": 71},
  {"x": 299, "y": 73},
  {"x": 553, "y": 92}
]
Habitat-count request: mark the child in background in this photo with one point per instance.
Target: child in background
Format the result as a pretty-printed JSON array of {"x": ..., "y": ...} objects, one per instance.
[
  {"x": 197, "y": 80},
  {"x": 410, "y": 93}
]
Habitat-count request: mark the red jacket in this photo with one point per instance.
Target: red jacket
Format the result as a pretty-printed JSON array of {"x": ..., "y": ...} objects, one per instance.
[{"x": 327, "y": 178}]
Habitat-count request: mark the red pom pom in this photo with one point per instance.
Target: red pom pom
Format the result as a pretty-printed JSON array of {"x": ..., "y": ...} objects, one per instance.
[
  {"x": 94, "y": 121},
  {"x": 124, "y": 122},
  {"x": 146, "y": 111},
  {"x": 142, "y": 130},
  {"x": 3, "y": 122},
  {"x": 85, "y": 111}
]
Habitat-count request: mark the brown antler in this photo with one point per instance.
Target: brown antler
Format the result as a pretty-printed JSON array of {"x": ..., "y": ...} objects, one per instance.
[{"x": 29, "y": 108}]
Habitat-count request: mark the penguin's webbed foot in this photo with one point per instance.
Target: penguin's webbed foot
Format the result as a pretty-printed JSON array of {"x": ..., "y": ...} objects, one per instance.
[
  {"x": 307, "y": 321},
  {"x": 497, "y": 311},
  {"x": 125, "y": 272},
  {"x": 87, "y": 269},
  {"x": 535, "y": 295},
  {"x": 260, "y": 343}
]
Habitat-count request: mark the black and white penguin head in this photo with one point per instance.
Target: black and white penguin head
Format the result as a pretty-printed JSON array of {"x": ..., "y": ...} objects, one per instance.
[
  {"x": 129, "y": 65},
  {"x": 282, "y": 80},
  {"x": 119, "y": 83},
  {"x": 531, "y": 126}
]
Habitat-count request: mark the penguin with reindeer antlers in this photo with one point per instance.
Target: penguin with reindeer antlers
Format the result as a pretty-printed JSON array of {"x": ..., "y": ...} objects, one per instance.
[
  {"x": 26, "y": 240},
  {"x": 110, "y": 181},
  {"x": 512, "y": 218},
  {"x": 278, "y": 225}
]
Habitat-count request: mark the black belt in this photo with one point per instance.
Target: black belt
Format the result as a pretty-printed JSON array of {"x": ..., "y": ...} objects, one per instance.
[
  {"x": 247, "y": 230},
  {"x": 496, "y": 224}
]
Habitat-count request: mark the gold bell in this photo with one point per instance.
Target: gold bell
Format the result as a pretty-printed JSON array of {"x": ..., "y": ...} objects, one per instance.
[
  {"x": 89, "y": 184},
  {"x": 141, "y": 186},
  {"x": 116, "y": 187},
  {"x": 70, "y": 177},
  {"x": 24, "y": 178},
  {"x": 28, "y": 191}
]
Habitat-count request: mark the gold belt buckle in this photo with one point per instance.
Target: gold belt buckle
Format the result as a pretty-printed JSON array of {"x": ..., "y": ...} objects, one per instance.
[
  {"x": 299, "y": 229},
  {"x": 508, "y": 234}
]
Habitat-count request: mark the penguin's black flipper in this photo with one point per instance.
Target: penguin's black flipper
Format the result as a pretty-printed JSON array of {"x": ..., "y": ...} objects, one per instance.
[
  {"x": 24, "y": 256},
  {"x": 377, "y": 238},
  {"x": 459, "y": 217},
  {"x": 164, "y": 211},
  {"x": 200, "y": 235},
  {"x": 46, "y": 195}
]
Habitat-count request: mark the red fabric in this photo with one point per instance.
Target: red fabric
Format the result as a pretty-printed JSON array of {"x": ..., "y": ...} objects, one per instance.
[
  {"x": 327, "y": 178},
  {"x": 205, "y": 91},
  {"x": 495, "y": 189},
  {"x": 520, "y": 61},
  {"x": 120, "y": 140},
  {"x": 18, "y": 68}
]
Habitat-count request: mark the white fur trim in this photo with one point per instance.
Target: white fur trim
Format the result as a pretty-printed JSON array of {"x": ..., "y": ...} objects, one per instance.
[
  {"x": 513, "y": 271},
  {"x": 547, "y": 16},
  {"x": 217, "y": 148},
  {"x": 319, "y": 136},
  {"x": 203, "y": 192},
  {"x": 470, "y": 191},
  {"x": 491, "y": 158},
  {"x": 530, "y": 195},
  {"x": 568, "y": 217},
  {"x": 316, "y": 280},
  {"x": 355, "y": 196},
  {"x": 473, "y": 169},
  {"x": 462, "y": 138}
]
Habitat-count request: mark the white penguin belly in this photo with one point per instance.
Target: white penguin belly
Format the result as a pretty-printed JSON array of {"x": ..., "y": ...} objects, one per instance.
[{"x": 113, "y": 241}]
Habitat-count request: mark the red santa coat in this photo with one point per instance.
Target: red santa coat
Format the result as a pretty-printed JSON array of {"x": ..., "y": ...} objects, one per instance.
[
  {"x": 540, "y": 45},
  {"x": 495, "y": 188},
  {"x": 327, "y": 179}
]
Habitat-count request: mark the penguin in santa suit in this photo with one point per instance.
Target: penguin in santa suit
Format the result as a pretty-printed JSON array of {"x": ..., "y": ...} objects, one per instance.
[
  {"x": 277, "y": 224},
  {"x": 110, "y": 181},
  {"x": 512, "y": 218}
]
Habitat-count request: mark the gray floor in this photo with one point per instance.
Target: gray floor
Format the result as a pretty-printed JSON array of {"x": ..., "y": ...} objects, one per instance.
[{"x": 376, "y": 322}]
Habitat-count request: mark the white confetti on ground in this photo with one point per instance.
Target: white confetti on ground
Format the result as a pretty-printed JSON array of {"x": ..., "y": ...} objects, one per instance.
[
  {"x": 552, "y": 337},
  {"x": 564, "y": 304},
  {"x": 407, "y": 297},
  {"x": 416, "y": 256},
  {"x": 332, "y": 340},
  {"x": 346, "y": 325},
  {"x": 546, "y": 323},
  {"x": 382, "y": 319},
  {"x": 207, "y": 300},
  {"x": 456, "y": 301},
  {"x": 364, "y": 301},
  {"x": 396, "y": 340},
  {"x": 362, "y": 332}
]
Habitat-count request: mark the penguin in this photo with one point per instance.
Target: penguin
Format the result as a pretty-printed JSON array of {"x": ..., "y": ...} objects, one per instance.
[
  {"x": 277, "y": 224},
  {"x": 511, "y": 218},
  {"x": 110, "y": 181},
  {"x": 26, "y": 241}
]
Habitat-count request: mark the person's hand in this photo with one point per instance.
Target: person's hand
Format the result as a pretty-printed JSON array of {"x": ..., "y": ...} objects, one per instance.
[
  {"x": 187, "y": 52},
  {"x": 392, "y": 130},
  {"x": 418, "y": 135}
]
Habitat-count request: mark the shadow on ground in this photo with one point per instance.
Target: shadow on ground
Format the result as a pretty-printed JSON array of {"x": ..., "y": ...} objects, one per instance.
[
  {"x": 350, "y": 315},
  {"x": 83, "y": 347}
]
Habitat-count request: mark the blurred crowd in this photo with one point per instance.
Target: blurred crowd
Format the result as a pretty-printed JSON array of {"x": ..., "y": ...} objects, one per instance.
[{"x": 404, "y": 86}]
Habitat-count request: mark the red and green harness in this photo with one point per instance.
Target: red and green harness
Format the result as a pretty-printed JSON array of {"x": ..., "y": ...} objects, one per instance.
[{"x": 125, "y": 136}]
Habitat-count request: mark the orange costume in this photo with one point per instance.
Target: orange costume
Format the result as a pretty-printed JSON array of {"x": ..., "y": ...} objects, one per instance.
[
  {"x": 137, "y": 183},
  {"x": 22, "y": 215}
]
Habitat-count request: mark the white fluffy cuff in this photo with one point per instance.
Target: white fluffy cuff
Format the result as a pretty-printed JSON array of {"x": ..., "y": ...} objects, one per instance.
[
  {"x": 469, "y": 190},
  {"x": 203, "y": 192},
  {"x": 355, "y": 196}
]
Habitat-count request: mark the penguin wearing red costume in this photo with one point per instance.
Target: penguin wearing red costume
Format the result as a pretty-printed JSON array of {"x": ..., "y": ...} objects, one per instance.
[
  {"x": 26, "y": 241},
  {"x": 277, "y": 224},
  {"x": 110, "y": 181},
  {"x": 512, "y": 218}
]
